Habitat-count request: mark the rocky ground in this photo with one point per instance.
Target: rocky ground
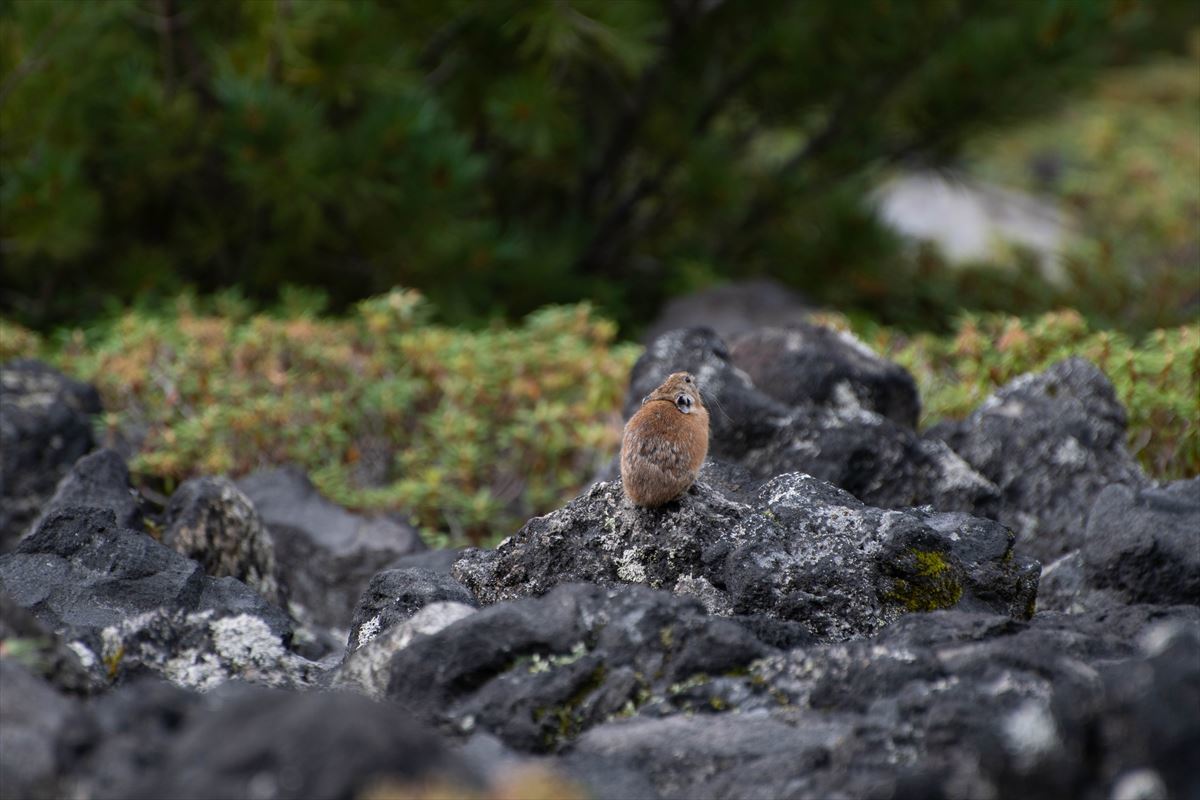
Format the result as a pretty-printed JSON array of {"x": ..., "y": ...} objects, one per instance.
[{"x": 841, "y": 607}]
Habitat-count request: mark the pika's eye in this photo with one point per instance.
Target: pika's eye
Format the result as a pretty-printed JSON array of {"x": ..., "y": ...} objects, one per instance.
[
  {"x": 688, "y": 379},
  {"x": 684, "y": 403}
]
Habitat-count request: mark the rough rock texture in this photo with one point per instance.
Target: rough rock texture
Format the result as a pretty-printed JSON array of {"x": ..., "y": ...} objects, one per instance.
[
  {"x": 807, "y": 363},
  {"x": 126, "y": 602},
  {"x": 395, "y": 595},
  {"x": 536, "y": 671},
  {"x": 872, "y": 457},
  {"x": 949, "y": 704},
  {"x": 367, "y": 667},
  {"x": 800, "y": 550},
  {"x": 34, "y": 720},
  {"x": 325, "y": 554},
  {"x": 211, "y": 521},
  {"x": 1144, "y": 544},
  {"x": 259, "y": 742},
  {"x": 98, "y": 480},
  {"x": 1051, "y": 442},
  {"x": 45, "y": 426},
  {"x": 732, "y": 308},
  {"x": 26, "y": 639}
]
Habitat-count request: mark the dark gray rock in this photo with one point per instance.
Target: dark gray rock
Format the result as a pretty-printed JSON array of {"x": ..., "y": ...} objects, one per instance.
[
  {"x": 257, "y": 742},
  {"x": 875, "y": 459},
  {"x": 367, "y": 669},
  {"x": 732, "y": 308},
  {"x": 34, "y": 720},
  {"x": 45, "y": 427},
  {"x": 1144, "y": 544},
  {"x": 394, "y": 595},
  {"x": 813, "y": 364},
  {"x": 25, "y": 639},
  {"x": 211, "y": 521},
  {"x": 949, "y": 704},
  {"x": 535, "y": 672},
  {"x": 98, "y": 480},
  {"x": 439, "y": 560},
  {"x": 713, "y": 756},
  {"x": 325, "y": 554},
  {"x": 1051, "y": 442},
  {"x": 129, "y": 603},
  {"x": 802, "y": 551}
]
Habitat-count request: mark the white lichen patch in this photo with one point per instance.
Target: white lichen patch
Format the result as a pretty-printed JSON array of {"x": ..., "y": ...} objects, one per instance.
[
  {"x": 369, "y": 629},
  {"x": 86, "y": 656},
  {"x": 1030, "y": 734},
  {"x": 246, "y": 641},
  {"x": 629, "y": 568},
  {"x": 1140, "y": 784},
  {"x": 1070, "y": 453}
]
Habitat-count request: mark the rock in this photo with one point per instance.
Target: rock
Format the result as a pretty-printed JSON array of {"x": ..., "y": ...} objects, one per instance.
[
  {"x": 801, "y": 550},
  {"x": 813, "y": 364},
  {"x": 25, "y": 639},
  {"x": 875, "y": 459},
  {"x": 308, "y": 531},
  {"x": 1051, "y": 442},
  {"x": 731, "y": 309},
  {"x": 367, "y": 667},
  {"x": 440, "y": 560},
  {"x": 211, "y": 521},
  {"x": 1144, "y": 544},
  {"x": 98, "y": 480},
  {"x": 535, "y": 672},
  {"x": 127, "y": 602},
  {"x": 708, "y": 756},
  {"x": 257, "y": 742},
  {"x": 45, "y": 427},
  {"x": 395, "y": 595},
  {"x": 35, "y": 718}
]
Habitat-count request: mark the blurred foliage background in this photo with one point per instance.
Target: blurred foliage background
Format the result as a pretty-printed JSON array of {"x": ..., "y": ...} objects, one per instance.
[
  {"x": 507, "y": 154},
  {"x": 205, "y": 208}
]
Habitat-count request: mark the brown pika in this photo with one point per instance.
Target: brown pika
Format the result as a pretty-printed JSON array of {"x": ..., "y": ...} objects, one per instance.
[{"x": 665, "y": 443}]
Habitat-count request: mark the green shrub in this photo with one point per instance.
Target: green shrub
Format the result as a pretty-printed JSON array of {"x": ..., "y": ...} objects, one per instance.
[
  {"x": 498, "y": 155},
  {"x": 471, "y": 431},
  {"x": 1157, "y": 377}
]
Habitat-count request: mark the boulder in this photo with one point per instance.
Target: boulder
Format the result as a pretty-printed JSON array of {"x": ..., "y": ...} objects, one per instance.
[
  {"x": 35, "y": 720},
  {"x": 799, "y": 550},
  {"x": 535, "y": 672},
  {"x": 27, "y": 640},
  {"x": 1144, "y": 544},
  {"x": 366, "y": 668},
  {"x": 99, "y": 480},
  {"x": 45, "y": 427},
  {"x": 325, "y": 554},
  {"x": 732, "y": 308},
  {"x": 947, "y": 704},
  {"x": 806, "y": 364},
  {"x": 1051, "y": 442},
  {"x": 255, "y": 742},
  {"x": 881, "y": 462},
  {"x": 211, "y": 521},
  {"x": 125, "y": 602},
  {"x": 395, "y": 595}
]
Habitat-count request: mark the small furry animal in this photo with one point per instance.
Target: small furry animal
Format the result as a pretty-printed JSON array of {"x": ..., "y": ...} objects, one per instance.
[{"x": 665, "y": 443}]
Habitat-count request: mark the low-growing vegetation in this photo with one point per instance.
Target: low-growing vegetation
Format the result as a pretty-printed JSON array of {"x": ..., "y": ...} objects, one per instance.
[
  {"x": 1156, "y": 377},
  {"x": 473, "y": 432}
]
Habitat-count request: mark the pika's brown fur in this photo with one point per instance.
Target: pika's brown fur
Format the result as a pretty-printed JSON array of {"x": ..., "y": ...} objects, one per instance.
[{"x": 665, "y": 443}]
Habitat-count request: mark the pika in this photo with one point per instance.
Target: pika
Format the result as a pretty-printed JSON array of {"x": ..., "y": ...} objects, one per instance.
[{"x": 665, "y": 443}]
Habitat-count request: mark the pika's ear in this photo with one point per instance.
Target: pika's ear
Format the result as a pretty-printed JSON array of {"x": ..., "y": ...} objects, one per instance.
[{"x": 645, "y": 399}]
